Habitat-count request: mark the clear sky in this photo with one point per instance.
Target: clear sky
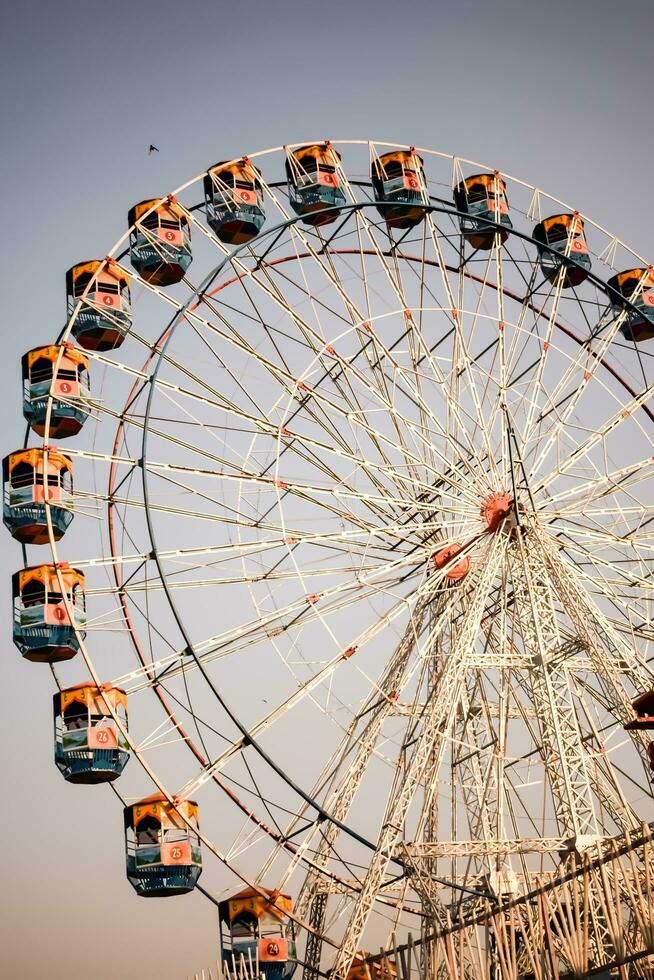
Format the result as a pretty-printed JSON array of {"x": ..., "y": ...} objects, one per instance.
[{"x": 558, "y": 93}]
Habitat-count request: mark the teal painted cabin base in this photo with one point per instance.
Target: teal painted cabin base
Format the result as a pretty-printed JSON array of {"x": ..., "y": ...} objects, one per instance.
[
  {"x": 160, "y": 881},
  {"x": 639, "y": 323},
  {"x": 310, "y": 203},
  {"x": 95, "y": 330},
  {"x": 574, "y": 272},
  {"x": 235, "y": 225},
  {"x": 45, "y": 643},
  {"x": 640, "y": 328},
  {"x": 65, "y": 420},
  {"x": 162, "y": 266},
  {"x": 477, "y": 232},
  {"x": 399, "y": 206},
  {"x": 28, "y": 522},
  {"x": 90, "y": 765}
]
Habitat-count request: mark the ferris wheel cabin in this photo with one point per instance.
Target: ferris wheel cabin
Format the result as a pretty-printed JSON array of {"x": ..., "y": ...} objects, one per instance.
[
  {"x": 233, "y": 195},
  {"x": 105, "y": 316},
  {"x": 256, "y": 927},
  {"x": 162, "y": 846},
  {"x": 89, "y": 746},
  {"x": 482, "y": 199},
  {"x": 561, "y": 238},
  {"x": 398, "y": 180},
  {"x": 29, "y": 480},
  {"x": 44, "y": 631},
  {"x": 314, "y": 183},
  {"x": 60, "y": 372},
  {"x": 159, "y": 241},
  {"x": 637, "y": 287}
]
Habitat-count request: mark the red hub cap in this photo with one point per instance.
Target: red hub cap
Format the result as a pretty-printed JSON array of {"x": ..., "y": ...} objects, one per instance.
[{"x": 495, "y": 509}]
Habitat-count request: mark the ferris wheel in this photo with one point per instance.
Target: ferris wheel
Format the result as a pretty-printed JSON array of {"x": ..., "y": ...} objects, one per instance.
[{"x": 361, "y": 440}]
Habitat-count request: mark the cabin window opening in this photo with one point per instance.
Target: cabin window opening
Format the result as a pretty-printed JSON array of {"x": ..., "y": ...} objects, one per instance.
[
  {"x": 108, "y": 287},
  {"x": 557, "y": 233},
  {"x": 393, "y": 168},
  {"x": 41, "y": 370},
  {"x": 52, "y": 480},
  {"x": 244, "y": 928},
  {"x": 75, "y": 716},
  {"x": 66, "y": 374},
  {"x": 170, "y": 223},
  {"x": 148, "y": 831},
  {"x": 226, "y": 177},
  {"x": 629, "y": 286},
  {"x": 33, "y": 594},
  {"x": 22, "y": 475},
  {"x": 78, "y": 596},
  {"x": 151, "y": 222},
  {"x": 309, "y": 164},
  {"x": 81, "y": 283},
  {"x": 476, "y": 193}
]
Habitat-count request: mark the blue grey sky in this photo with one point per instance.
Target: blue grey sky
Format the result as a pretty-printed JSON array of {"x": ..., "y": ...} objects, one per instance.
[{"x": 558, "y": 93}]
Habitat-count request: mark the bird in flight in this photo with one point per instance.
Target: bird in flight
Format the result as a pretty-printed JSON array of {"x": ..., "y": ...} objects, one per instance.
[{"x": 152, "y": 149}]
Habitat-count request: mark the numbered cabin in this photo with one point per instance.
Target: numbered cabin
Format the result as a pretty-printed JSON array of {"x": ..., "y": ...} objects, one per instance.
[
  {"x": 89, "y": 744},
  {"x": 483, "y": 204},
  {"x": 58, "y": 373},
  {"x": 159, "y": 241},
  {"x": 233, "y": 195},
  {"x": 255, "y": 925},
  {"x": 30, "y": 477},
  {"x": 162, "y": 846},
  {"x": 314, "y": 183},
  {"x": 636, "y": 286},
  {"x": 46, "y": 630},
  {"x": 563, "y": 250},
  {"x": 105, "y": 315},
  {"x": 400, "y": 186}
]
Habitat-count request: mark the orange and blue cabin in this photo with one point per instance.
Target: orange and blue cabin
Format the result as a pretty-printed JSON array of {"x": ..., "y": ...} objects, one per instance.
[
  {"x": 159, "y": 241},
  {"x": 59, "y": 372},
  {"x": 162, "y": 846},
  {"x": 643, "y": 707},
  {"x": 29, "y": 480},
  {"x": 255, "y": 924},
  {"x": 44, "y": 630},
  {"x": 314, "y": 183},
  {"x": 105, "y": 314},
  {"x": 484, "y": 208},
  {"x": 89, "y": 745},
  {"x": 563, "y": 249},
  {"x": 400, "y": 186},
  {"x": 637, "y": 287},
  {"x": 233, "y": 196}
]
